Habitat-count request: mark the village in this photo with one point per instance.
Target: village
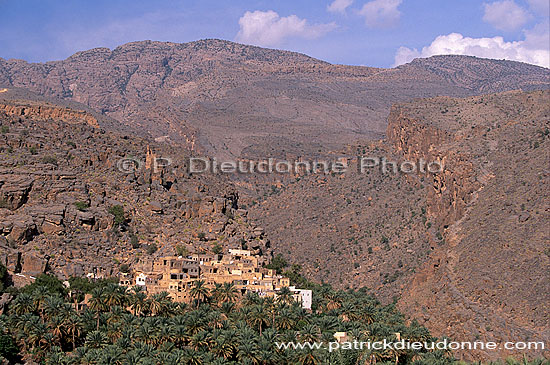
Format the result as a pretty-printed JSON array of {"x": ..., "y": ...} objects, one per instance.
[{"x": 176, "y": 275}]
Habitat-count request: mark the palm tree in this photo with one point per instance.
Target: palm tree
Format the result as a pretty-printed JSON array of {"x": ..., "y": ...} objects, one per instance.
[
  {"x": 24, "y": 303},
  {"x": 228, "y": 292},
  {"x": 310, "y": 333},
  {"x": 285, "y": 295},
  {"x": 57, "y": 328},
  {"x": 138, "y": 302},
  {"x": 39, "y": 296},
  {"x": 199, "y": 340},
  {"x": 52, "y": 306},
  {"x": 97, "y": 303},
  {"x": 114, "y": 295},
  {"x": 96, "y": 339},
  {"x": 333, "y": 301},
  {"x": 258, "y": 317},
  {"x": 199, "y": 291},
  {"x": 284, "y": 320},
  {"x": 74, "y": 326},
  {"x": 159, "y": 303},
  {"x": 348, "y": 312}
]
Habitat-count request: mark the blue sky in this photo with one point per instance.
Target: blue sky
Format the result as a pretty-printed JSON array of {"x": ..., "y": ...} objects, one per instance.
[{"x": 377, "y": 33}]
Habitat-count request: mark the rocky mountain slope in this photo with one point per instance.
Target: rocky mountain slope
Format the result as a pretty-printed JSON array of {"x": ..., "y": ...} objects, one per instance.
[
  {"x": 76, "y": 199},
  {"x": 466, "y": 250},
  {"x": 491, "y": 279},
  {"x": 222, "y": 98}
]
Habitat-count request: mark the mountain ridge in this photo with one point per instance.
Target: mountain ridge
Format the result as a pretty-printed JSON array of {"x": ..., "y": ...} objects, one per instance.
[{"x": 220, "y": 97}]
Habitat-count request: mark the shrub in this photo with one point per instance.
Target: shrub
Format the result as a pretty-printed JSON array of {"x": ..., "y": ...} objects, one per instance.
[
  {"x": 8, "y": 348},
  {"x": 152, "y": 248},
  {"x": 217, "y": 249},
  {"x": 134, "y": 241},
  {"x": 3, "y": 277},
  {"x": 32, "y": 150},
  {"x": 118, "y": 212},
  {"x": 181, "y": 250},
  {"x": 278, "y": 263},
  {"x": 124, "y": 268},
  {"x": 51, "y": 283},
  {"x": 5, "y": 129},
  {"x": 49, "y": 160},
  {"x": 81, "y": 205},
  {"x": 201, "y": 236}
]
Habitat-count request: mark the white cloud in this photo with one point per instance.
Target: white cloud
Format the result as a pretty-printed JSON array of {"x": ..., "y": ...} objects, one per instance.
[
  {"x": 505, "y": 15},
  {"x": 267, "y": 28},
  {"x": 541, "y": 6},
  {"x": 535, "y": 49},
  {"x": 381, "y": 13},
  {"x": 339, "y": 6}
]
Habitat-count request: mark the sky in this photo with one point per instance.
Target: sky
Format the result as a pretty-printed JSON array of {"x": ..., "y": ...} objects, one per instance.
[{"x": 378, "y": 33}]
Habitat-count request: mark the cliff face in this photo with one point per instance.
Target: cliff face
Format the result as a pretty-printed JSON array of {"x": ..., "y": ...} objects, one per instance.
[
  {"x": 489, "y": 278},
  {"x": 44, "y": 112},
  {"x": 452, "y": 190}
]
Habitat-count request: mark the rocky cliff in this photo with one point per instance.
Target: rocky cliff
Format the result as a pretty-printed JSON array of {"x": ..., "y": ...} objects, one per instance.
[{"x": 490, "y": 278}]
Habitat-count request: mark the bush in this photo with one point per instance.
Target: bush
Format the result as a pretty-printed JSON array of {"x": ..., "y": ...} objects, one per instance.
[
  {"x": 201, "y": 236},
  {"x": 49, "y": 160},
  {"x": 134, "y": 241},
  {"x": 278, "y": 263},
  {"x": 152, "y": 248},
  {"x": 81, "y": 205},
  {"x": 52, "y": 284},
  {"x": 124, "y": 268},
  {"x": 32, "y": 150},
  {"x": 217, "y": 249},
  {"x": 181, "y": 250},
  {"x": 8, "y": 348},
  {"x": 5, "y": 129},
  {"x": 3, "y": 277},
  {"x": 118, "y": 212}
]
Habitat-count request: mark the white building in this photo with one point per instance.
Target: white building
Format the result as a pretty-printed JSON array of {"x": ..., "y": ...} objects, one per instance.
[{"x": 140, "y": 279}]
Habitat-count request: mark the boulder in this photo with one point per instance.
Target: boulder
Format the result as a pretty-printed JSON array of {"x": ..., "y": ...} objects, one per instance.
[
  {"x": 14, "y": 190},
  {"x": 156, "y": 207}
]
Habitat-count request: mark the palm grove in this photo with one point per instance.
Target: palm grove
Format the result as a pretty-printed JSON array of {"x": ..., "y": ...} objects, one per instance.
[{"x": 126, "y": 326}]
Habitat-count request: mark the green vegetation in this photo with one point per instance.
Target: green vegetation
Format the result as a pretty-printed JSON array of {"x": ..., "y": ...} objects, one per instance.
[
  {"x": 49, "y": 160},
  {"x": 278, "y": 264},
  {"x": 5, "y": 129},
  {"x": 81, "y": 205},
  {"x": 125, "y": 326},
  {"x": 118, "y": 212},
  {"x": 134, "y": 240},
  {"x": 152, "y": 248},
  {"x": 217, "y": 249},
  {"x": 3, "y": 278},
  {"x": 181, "y": 250}
]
